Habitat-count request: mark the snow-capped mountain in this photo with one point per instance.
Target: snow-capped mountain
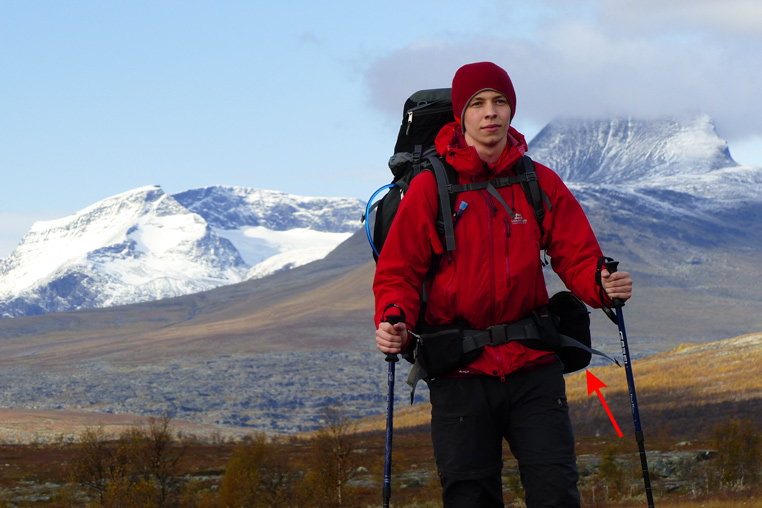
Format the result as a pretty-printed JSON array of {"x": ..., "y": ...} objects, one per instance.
[
  {"x": 274, "y": 231},
  {"x": 146, "y": 245},
  {"x": 628, "y": 150},
  {"x": 665, "y": 198},
  {"x": 672, "y": 177}
]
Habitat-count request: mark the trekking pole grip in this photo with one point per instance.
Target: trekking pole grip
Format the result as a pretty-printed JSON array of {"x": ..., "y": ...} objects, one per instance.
[
  {"x": 393, "y": 320},
  {"x": 612, "y": 266}
]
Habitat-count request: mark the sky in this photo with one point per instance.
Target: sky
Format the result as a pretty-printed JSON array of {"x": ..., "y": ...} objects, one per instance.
[{"x": 99, "y": 98}]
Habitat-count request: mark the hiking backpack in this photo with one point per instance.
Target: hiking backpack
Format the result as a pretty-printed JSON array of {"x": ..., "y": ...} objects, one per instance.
[{"x": 425, "y": 112}]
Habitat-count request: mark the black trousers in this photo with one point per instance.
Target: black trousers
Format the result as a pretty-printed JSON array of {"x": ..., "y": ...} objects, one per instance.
[{"x": 471, "y": 416}]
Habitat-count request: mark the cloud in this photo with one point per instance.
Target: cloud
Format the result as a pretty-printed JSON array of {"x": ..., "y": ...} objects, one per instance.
[
  {"x": 648, "y": 58},
  {"x": 732, "y": 17}
]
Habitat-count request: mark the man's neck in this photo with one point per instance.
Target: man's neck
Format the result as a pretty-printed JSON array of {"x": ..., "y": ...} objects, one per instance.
[{"x": 491, "y": 154}]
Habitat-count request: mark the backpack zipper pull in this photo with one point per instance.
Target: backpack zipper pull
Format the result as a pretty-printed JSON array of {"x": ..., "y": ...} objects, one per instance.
[{"x": 409, "y": 122}]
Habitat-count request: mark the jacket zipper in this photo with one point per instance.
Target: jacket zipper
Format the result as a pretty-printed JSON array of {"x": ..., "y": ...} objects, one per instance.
[
  {"x": 491, "y": 251},
  {"x": 507, "y": 226},
  {"x": 492, "y": 287}
]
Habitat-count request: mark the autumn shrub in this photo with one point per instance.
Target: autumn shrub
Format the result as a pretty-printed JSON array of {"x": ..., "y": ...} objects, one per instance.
[
  {"x": 739, "y": 454},
  {"x": 332, "y": 463},
  {"x": 257, "y": 475},
  {"x": 611, "y": 471},
  {"x": 137, "y": 469}
]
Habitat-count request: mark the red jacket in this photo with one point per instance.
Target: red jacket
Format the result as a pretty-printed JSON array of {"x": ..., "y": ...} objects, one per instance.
[{"x": 495, "y": 274}]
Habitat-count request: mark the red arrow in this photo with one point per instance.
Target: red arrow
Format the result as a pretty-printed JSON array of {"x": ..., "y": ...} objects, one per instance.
[{"x": 594, "y": 385}]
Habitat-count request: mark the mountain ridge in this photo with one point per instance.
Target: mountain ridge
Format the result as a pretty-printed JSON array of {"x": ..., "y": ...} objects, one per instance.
[
  {"x": 655, "y": 148},
  {"x": 144, "y": 245},
  {"x": 230, "y": 207}
]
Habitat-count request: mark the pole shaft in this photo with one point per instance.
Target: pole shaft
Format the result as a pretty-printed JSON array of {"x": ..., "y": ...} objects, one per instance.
[
  {"x": 639, "y": 437},
  {"x": 387, "y": 490},
  {"x": 391, "y": 360}
]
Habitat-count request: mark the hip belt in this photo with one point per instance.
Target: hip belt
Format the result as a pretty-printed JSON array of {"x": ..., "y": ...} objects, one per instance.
[{"x": 562, "y": 327}]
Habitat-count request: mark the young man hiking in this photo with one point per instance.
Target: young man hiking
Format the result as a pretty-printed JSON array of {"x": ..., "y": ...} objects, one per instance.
[{"x": 493, "y": 277}]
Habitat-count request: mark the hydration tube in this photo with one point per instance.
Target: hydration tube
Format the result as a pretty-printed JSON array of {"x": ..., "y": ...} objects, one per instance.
[{"x": 368, "y": 208}]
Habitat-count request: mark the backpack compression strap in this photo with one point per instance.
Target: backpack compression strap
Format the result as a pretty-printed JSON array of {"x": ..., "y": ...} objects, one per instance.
[
  {"x": 526, "y": 176},
  {"x": 491, "y": 187}
]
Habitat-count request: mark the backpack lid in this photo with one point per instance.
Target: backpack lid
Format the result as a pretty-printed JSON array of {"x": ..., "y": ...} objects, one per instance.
[
  {"x": 431, "y": 95},
  {"x": 425, "y": 112}
]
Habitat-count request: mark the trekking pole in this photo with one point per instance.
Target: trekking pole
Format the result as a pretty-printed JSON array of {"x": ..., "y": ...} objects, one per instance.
[
  {"x": 391, "y": 360},
  {"x": 618, "y": 303}
]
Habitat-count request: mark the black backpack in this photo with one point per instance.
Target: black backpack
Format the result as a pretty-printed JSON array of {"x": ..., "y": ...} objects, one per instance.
[{"x": 424, "y": 114}]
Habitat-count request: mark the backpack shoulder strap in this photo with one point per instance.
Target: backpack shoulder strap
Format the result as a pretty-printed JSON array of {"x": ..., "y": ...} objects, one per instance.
[
  {"x": 535, "y": 195},
  {"x": 445, "y": 205}
]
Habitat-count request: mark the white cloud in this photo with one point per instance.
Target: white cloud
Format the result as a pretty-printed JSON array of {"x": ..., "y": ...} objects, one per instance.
[
  {"x": 733, "y": 17},
  {"x": 646, "y": 58}
]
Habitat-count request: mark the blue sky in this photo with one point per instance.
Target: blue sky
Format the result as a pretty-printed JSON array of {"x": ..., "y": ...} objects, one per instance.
[{"x": 97, "y": 98}]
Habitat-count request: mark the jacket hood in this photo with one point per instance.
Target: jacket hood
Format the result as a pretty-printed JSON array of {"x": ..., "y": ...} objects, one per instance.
[{"x": 451, "y": 143}]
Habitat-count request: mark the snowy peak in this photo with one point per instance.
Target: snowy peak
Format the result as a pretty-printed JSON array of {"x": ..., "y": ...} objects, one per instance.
[
  {"x": 72, "y": 239},
  {"x": 136, "y": 246},
  {"x": 662, "y": 178},
  {"x": 146, "y": 245},
  {"x": 275, "y": 231},
  {"x": 228, "y": 207},
  {"x": 630, "y": 150}
]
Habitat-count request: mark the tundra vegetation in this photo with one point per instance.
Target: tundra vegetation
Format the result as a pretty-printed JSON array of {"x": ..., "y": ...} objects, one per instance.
[{"x": 151, "y": 465}]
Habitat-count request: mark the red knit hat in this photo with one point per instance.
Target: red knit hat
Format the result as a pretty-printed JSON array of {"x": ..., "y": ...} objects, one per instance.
[{"x": 473, "y": 78}]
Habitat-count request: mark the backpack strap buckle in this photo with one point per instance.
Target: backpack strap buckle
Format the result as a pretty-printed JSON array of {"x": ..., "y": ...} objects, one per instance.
[{"x": 497, "y": 334}]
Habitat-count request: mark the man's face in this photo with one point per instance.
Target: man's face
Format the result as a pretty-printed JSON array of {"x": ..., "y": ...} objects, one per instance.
[{"x": 486, "y": 120}]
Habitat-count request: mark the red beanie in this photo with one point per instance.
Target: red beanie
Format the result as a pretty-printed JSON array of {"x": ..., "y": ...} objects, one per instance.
[{"x": 477, "y": 77}]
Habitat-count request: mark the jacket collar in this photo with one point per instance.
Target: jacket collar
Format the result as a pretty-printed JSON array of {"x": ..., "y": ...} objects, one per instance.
[{"x": 451, "y": 143}]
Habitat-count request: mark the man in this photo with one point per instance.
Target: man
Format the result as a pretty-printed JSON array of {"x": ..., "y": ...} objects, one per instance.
[{"x": 493, "y": 277}]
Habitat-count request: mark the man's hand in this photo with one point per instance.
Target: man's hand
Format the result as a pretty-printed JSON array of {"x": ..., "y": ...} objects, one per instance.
[
  {"x": 391, "y": 338},
  {"x": 617, "y": 284}
]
